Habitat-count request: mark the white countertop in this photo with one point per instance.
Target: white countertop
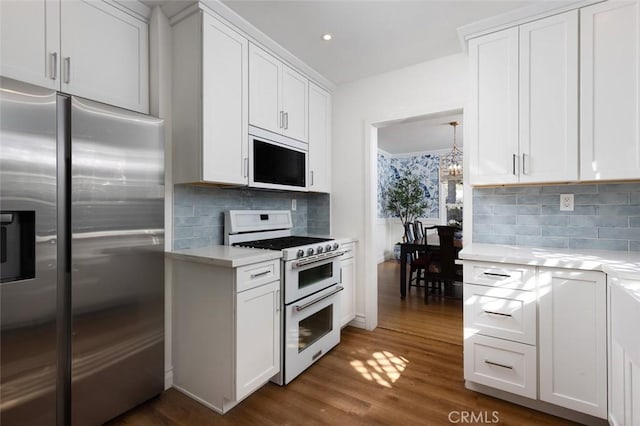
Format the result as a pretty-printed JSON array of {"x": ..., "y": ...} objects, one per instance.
[
  {"x": 622, "y": 264},
  {"x": 228, "y": 256}
]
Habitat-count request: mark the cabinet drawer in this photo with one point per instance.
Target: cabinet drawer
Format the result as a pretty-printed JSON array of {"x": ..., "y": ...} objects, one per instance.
[
  {"x": 500, "y": 275},
  {"x": 251, "y": 276},
  {"x": 500, "y": 312},
  {"x": 501, "y": 364}
]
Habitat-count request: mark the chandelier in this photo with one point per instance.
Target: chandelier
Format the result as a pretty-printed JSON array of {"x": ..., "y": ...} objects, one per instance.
[{"x": 451, "y": 163}]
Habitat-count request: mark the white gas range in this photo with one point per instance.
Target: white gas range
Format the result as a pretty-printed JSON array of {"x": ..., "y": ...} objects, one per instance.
[{"x": 310, "y": 278}]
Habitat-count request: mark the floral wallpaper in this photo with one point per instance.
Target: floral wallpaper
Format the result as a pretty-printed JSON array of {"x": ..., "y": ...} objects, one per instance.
[{"x": 426, "y": 166}]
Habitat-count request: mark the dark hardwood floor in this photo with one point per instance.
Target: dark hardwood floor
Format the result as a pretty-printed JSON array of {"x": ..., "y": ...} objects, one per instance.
[{"x": 408, "y": 371}]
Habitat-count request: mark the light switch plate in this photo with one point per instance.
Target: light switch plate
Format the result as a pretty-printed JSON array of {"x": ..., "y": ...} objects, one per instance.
[
  {"x": 566, "y": 202},
  {"x": 294, "y": 204}
]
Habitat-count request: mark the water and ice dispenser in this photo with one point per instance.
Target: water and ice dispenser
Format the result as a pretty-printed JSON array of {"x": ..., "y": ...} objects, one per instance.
[{"x": 17, "y": 245}]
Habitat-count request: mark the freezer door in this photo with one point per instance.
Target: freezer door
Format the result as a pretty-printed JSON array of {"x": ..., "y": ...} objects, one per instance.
[
  {"x": 117, "y": 279},
  {"x": 27, "y": 254}
]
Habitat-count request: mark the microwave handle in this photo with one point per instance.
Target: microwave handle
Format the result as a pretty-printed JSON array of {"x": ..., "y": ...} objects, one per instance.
[{"x": 245, "y": 166}]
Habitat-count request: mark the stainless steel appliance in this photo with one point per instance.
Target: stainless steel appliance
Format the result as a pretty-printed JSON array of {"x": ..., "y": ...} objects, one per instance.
[
  {"x": 81, "y": 255},
  {"x": 310, "y": 290},
  {"x": 276, "y": 161}
]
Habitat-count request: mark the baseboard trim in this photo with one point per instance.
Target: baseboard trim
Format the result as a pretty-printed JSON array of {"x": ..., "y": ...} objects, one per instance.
[
  {"x": 358, "y": 322},
  {"x": 545, "y": 407},
  {"x": 168, "y": 378}
]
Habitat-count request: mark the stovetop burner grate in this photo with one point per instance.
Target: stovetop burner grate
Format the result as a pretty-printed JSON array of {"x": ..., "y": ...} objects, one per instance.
[{"x": 282, "y": 242}]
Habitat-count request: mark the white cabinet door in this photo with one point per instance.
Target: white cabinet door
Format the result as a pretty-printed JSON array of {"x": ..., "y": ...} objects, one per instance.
[
  {"x": 30, "y": 42},
  {"x": 348, "y": 295},
  {"x": 572, "y": 340},
  {"x": 295, "y": 104},
  {"x": 264, "y": 90},
  {"x": 104, "y": 54},
  {"x": 224, "y": 103},
  {"x": 319, "y": 139},
  {"x": 610, "y": 86},
  {"x": 549, "y": 99},
  {"x": 257, "y": 337},
  {"x": 493, "y": 117}
]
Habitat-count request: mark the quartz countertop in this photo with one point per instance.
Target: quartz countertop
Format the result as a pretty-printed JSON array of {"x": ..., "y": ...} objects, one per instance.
[
  {"x": 222, "y": 255},
  {"x": 622, "y": 264}
]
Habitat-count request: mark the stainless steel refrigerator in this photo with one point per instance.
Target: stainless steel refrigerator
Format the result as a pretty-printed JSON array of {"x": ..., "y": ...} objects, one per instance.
[{"x": 81, "y": 258}]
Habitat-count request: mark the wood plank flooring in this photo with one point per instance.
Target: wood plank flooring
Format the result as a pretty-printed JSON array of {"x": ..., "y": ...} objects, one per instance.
[{"x": 406, "y": 372}]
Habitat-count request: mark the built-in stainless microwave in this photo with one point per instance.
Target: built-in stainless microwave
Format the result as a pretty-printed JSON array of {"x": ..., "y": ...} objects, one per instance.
[{"x": 276, "y": 161}]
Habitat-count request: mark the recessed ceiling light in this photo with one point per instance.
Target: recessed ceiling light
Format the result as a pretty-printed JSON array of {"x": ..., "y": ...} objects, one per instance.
[{"x": 327, "y": 37}]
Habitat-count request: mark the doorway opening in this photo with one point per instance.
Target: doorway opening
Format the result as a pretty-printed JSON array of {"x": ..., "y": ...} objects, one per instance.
[{"x": 415, "y": 145}]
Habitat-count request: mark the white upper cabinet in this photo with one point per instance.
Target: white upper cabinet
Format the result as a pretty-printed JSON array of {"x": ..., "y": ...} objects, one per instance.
[
  {"x": 104, "y": 54},
  {"x": 264, "y": 86},
  {"x": 30, "y": 42},
  {"x": 319, "y": 139},
  {"x": 295, "y": 104},
  {"x": 493, "y": 111},
  {"x": 277, "y": 96},
  {"x": 210, "y": 102},
  {"x": 524, "y": 104},
  {"x": 86, "y": 48},
  {"x": 549, "y": 99},
  {"x": 610, "y": 83}
]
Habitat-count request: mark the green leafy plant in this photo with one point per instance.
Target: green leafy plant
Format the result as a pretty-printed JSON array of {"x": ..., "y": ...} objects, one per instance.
[{"x": 406, "y": 198}]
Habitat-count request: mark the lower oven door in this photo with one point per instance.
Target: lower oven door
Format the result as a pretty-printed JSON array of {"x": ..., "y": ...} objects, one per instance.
[
  {"x": 312, "y": 328},
  {"x": 307, "y": 276}
]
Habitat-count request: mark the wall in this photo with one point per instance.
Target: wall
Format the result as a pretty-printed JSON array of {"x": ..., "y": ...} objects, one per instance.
[
  {"x": 425, "y": 166},
  {"x": 606, "y": 216},
  {"x": 389, "y": 230},
  {"x": 425, "y": 88},
  {"x": 199, "y": 218}
]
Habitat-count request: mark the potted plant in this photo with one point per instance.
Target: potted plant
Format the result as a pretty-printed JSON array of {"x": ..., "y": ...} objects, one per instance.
[{"x": 406, "y": 200}]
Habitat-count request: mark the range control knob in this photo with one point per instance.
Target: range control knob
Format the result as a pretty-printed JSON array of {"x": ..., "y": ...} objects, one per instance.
[
  {"x": 309, "y": 251},
  {"x": 300, "y": 253},
  {"x": 327, "y": 247},
  {"x": 320, "y": 249},
  {"x": 336, "y": 246}
]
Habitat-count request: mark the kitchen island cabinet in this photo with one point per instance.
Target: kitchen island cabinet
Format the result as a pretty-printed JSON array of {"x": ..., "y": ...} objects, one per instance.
[{"x": 226, "y": 323}]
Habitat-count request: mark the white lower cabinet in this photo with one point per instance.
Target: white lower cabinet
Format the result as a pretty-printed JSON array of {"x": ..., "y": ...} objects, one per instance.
[
  {"x": 573, "y": 340},
  {"x": 537, "y": 332},
  {"x": 348, "y": 282},
  {"x": 501, "y": 364},
  {"x": 624, "y": 355},
  {"x": 226, "y": 330}
]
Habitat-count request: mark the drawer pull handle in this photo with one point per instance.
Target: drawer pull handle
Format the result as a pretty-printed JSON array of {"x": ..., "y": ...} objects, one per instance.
[
  {"x": 497, "y": 313},
  {"x": 261, "y": 274},
  {"x": 493, "y": 274},
  {"x": 509, "y": 367}
]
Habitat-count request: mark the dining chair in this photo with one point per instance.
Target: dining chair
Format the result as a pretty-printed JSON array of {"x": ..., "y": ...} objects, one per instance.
[
  {"x": 418, "y": 259},
  {"x": 442, "y": 269}
]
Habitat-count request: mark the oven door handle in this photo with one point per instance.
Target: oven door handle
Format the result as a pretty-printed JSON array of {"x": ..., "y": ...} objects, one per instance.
[
  {"x": 299, "y": 308},
  {"x": 305, "y": 262}
]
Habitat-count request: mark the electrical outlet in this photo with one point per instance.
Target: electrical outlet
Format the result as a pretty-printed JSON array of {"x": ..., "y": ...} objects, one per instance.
[
  {"x": 566, "y": 202},
  {"x": 294, "y": 204}
]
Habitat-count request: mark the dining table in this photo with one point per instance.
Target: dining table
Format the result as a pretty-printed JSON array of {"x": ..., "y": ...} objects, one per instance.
[{"x": 431, "y": 243}]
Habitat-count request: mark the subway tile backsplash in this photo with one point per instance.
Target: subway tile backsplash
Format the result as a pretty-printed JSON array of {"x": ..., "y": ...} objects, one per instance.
[
  {"x": 199, "y": 212},
  {"x": 605, "y": 216}
]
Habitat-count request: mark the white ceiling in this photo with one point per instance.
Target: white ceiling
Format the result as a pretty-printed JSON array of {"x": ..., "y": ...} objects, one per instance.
[
  {"x": 429, "y": 133},
  {"x": 369, "y": 37}
]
